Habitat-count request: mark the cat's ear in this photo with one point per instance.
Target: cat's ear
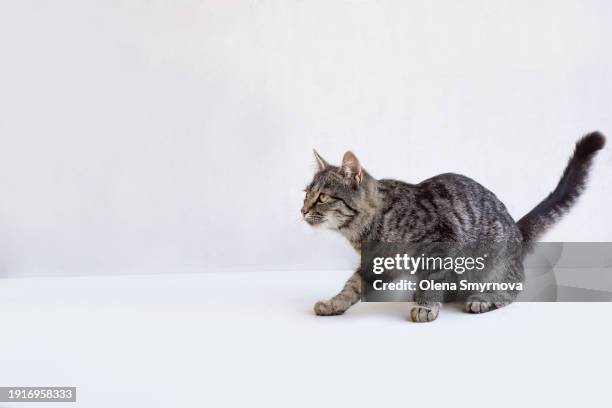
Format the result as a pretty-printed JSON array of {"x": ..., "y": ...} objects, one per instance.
[
  {"x": 351, "y": 167},
  {"x": 321, "y": 163}
]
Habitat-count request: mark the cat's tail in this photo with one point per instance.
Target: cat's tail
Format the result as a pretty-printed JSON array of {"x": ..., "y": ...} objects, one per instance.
[{"x": 571, "y": 185}]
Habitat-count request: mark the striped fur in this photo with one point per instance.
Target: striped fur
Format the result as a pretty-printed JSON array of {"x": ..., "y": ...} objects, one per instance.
[{"x": 448, "y": 208}]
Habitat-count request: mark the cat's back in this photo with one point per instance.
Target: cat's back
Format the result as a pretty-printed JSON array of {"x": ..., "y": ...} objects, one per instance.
[{"x": 447, "y": 207}]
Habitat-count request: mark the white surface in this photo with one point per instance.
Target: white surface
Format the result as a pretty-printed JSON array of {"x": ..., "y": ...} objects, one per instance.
[
  {"x": 156, "y": 136},
  {"x": 250, "y": 339}
]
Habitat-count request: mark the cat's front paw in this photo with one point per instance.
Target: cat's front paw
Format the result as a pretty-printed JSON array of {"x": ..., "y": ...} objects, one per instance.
[
  {"x": 425, "y": 313},
  {"x": 326, "y": 308}
]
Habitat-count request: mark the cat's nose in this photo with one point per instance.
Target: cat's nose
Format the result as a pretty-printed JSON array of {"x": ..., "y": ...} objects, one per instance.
[{"x": 304, "y": 211}]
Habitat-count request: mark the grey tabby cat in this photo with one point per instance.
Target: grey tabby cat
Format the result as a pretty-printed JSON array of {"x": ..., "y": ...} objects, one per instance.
[{"x": 445, "y": 208}]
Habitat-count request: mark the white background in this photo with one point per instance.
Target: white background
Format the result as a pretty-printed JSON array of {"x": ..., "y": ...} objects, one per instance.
[
  {"x": 141, "y": 137},
  {"x": 150, "y": 136},
  {"x": 251, "y": 340}
]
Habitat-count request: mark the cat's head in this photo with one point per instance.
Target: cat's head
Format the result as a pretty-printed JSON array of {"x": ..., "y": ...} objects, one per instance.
[{"x": 336, "y": 194}]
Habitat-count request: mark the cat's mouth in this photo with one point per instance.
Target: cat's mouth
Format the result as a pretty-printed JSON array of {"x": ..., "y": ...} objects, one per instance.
[{"x": 314, "y": 219}]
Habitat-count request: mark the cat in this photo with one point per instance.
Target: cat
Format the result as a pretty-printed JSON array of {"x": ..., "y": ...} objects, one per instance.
[{"x": 445, "y": 208}]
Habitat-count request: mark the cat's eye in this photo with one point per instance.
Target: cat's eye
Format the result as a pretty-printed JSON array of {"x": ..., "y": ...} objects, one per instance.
[{"x": 323, "y": 197}]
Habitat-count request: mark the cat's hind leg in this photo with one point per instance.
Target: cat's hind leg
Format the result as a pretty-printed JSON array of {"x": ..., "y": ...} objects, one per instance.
[
  {"x": 509, "y": 271},
  {"x": 482, "y": 305},
  {"x": 483, "y": 302}
]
